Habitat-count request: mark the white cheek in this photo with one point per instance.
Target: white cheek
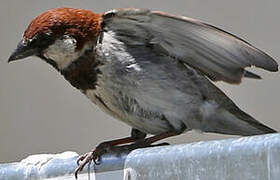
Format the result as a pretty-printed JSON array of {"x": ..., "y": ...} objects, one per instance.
[{"x": 63, "y": 52}]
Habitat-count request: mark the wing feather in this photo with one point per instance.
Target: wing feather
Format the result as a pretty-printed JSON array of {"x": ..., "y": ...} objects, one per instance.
[{"x": 216, "y": 53}]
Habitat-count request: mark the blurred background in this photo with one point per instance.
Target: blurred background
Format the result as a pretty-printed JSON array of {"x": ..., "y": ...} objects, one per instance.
[{"x": 41, "y": 113}]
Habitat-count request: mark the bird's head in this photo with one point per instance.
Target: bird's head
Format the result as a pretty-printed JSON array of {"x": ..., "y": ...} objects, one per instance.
[{"x": 59, "y": 36}]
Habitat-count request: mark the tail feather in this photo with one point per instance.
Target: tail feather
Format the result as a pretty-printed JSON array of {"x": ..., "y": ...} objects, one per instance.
[
  {"x": 261, "y": 128},
  {"x": 233, "y": 121}
]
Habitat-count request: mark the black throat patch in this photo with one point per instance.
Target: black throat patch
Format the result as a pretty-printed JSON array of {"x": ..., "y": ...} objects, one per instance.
[{"x": 83, "y": 72}]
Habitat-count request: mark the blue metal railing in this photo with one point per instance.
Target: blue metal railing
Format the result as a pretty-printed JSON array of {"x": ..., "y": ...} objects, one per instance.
[{"x": 256, "y": 158}]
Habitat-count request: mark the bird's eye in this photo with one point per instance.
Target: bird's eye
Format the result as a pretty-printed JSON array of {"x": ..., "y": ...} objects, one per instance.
[{"x": 42, "y": 40}]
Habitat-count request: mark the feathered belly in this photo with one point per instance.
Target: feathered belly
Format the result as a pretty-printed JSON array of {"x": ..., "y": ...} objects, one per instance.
[{"x": 128, "y": 110}]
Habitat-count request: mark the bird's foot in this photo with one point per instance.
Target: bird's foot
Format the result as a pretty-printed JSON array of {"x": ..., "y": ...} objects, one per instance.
[
  {"x": 93, "y": 156},
  {"x": 113, "y": 147}
]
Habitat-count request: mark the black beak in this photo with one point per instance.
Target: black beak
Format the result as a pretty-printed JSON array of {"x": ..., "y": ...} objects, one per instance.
[{"x": 23, "y": 50}]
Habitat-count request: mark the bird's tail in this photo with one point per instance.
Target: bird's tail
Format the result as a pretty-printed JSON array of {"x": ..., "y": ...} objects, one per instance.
[{"x": 234, "y": 121}]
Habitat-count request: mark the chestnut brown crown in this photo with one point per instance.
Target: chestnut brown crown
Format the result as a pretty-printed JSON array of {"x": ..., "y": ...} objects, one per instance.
[{"x": 79, "y": 23}]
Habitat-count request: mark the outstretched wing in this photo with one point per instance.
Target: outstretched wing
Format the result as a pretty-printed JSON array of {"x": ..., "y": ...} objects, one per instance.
[{"x": 212, "y": 51}]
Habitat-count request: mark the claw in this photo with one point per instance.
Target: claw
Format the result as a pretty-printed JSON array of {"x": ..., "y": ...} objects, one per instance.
[
  {"x": 76, "y": 172},
  {"x": 83, "y": 161},
  {"x": 87, "y": 158},
  {"x": 81, "y": 158},
  {"x": 96, "y": 162}
]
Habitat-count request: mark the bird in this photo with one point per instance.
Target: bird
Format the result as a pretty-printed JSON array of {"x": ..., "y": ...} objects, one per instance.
[{"x": 149, "y": 69}]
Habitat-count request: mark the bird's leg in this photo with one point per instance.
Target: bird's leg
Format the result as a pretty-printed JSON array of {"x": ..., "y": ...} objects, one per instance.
[
  {"x": 103, "y": 147},
  {"x": 148, "y": 141},
  {"x": 136, "y": 136}
]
